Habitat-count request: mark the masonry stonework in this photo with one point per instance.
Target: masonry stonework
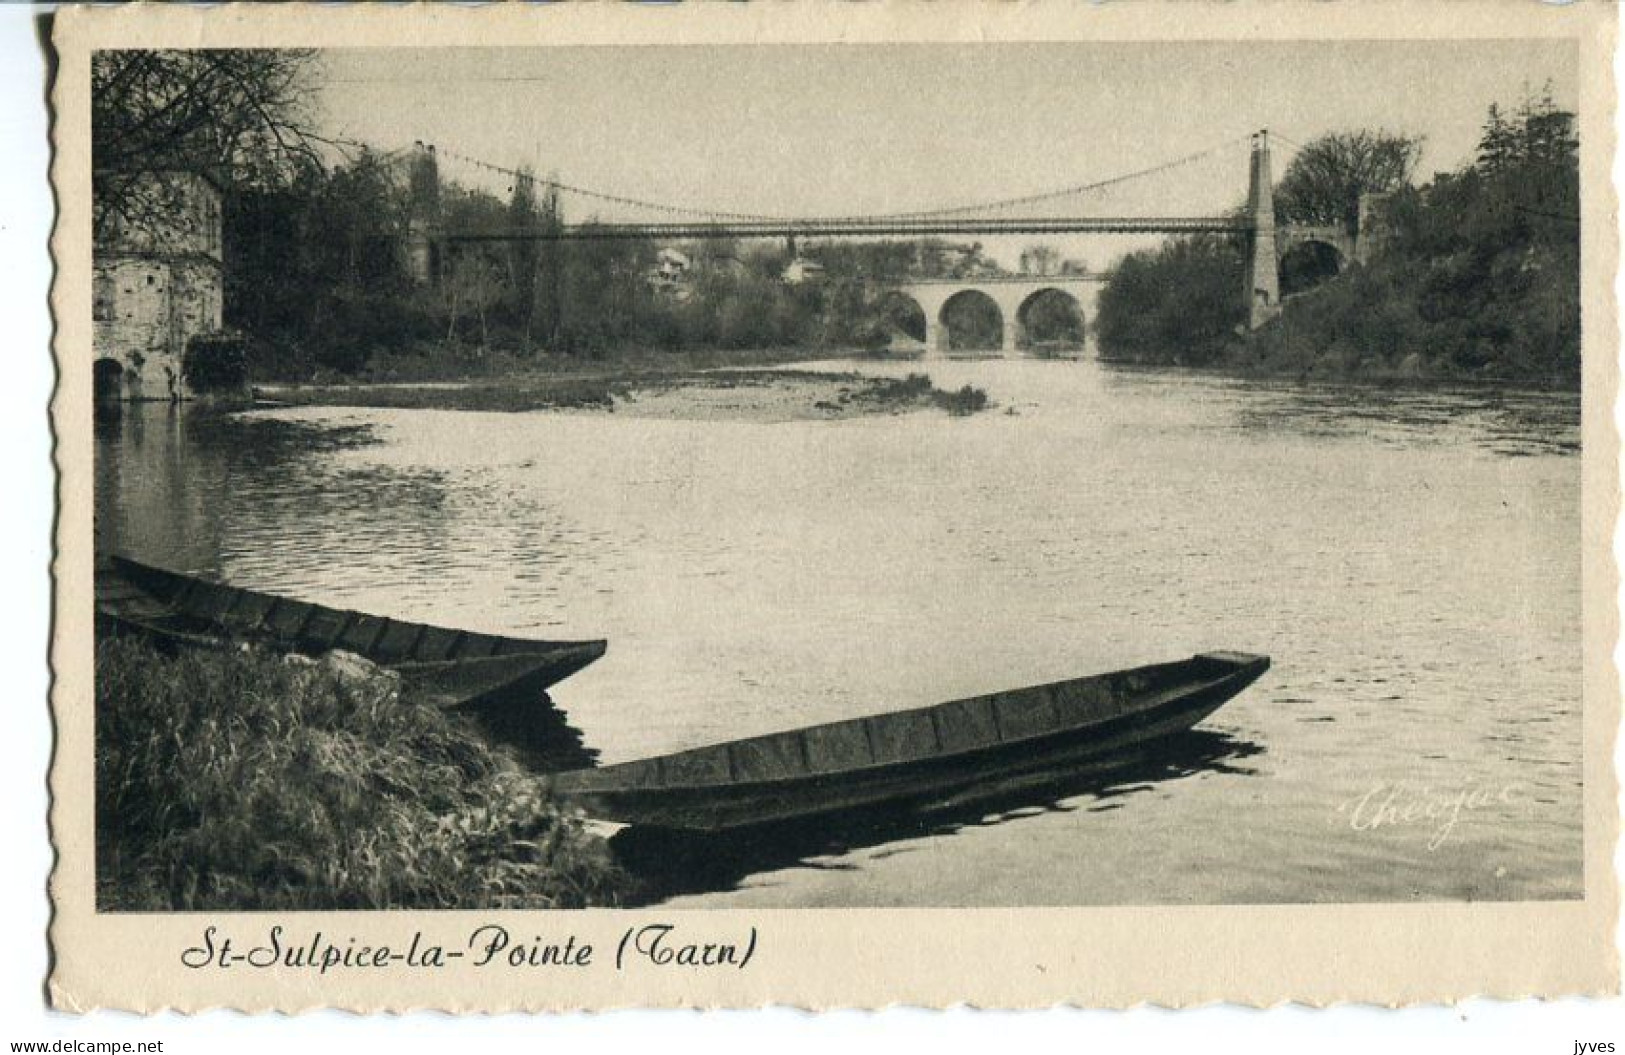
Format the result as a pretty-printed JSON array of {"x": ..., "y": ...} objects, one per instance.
[{"x": 157, "y": 284}]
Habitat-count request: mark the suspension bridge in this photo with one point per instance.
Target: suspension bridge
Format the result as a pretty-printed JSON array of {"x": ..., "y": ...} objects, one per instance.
[{"x": 1072, "y": 210}]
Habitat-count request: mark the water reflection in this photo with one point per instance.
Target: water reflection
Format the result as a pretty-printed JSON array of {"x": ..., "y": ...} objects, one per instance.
[
  {"x": 1515, "y": 422},
  {"x": 536, "y": 729},
  {"x": 670, "y": 863},
  {"x": 1409, "y": 558},
  {"x": 169, "y": 479},
  {"x": 194, "y": 490},
  {"x": 1509, "y": 422}
]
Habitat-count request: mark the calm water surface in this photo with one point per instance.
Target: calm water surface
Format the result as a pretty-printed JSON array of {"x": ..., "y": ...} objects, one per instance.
[{"x": 1410, "y": 560}]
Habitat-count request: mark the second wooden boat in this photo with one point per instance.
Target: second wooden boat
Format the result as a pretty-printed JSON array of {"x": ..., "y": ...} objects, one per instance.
[
  {"x": 449, "y": 668},
  {"x": 915, "y": 756}
]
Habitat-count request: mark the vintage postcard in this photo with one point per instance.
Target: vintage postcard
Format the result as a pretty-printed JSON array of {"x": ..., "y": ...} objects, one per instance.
[{"x": 834, "y": 505}]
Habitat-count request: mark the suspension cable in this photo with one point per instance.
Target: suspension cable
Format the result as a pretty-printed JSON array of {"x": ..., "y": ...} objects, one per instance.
[
  {"x": 1081, "y": 188},
  {"x": 711, "y": 214}
]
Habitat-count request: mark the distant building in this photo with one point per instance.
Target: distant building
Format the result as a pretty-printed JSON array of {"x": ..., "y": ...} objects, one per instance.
[
  {"x": 936, "y": 259},
  {"x": 723, "y": 264},
  {"x": 156, "y": 285},
  {"x": 1039, "y": 260},
  {"x": 669, "y": 276},
  {"x": 801, "y": 270}
]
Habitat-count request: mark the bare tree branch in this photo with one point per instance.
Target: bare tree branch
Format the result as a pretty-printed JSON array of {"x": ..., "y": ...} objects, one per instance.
[{"x": 240, "y": 116}]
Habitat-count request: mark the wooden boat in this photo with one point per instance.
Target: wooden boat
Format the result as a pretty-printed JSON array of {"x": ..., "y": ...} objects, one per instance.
[
  {"x": 449, "y": 668},
  {"x": 915, "y": 756}
]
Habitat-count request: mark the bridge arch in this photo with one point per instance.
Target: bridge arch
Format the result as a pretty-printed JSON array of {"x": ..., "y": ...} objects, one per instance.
[
  {"x": 1307, "y": 262},
  {"x": 107, "y": 385},
  {"x": 1050, "y": 317},
  {"x": 1061, "y": 303},
  {"x": 972, "y": 320},
  {"x": 901, "y": 315}
]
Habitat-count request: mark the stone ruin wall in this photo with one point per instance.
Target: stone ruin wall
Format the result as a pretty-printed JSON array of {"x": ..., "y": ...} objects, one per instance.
[{"x": 158, "y": 285}]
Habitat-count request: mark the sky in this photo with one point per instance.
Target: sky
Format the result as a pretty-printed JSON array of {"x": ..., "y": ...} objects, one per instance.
[{"x": 807, "y": 130}]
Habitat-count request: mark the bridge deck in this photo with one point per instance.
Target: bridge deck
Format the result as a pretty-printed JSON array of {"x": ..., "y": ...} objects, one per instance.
[
  {"x": 1088, "y": 277},
  {"x": 858, "y": 227}
]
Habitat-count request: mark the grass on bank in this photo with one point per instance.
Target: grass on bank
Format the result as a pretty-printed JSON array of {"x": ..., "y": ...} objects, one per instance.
[{"x": 237, "y": 781}]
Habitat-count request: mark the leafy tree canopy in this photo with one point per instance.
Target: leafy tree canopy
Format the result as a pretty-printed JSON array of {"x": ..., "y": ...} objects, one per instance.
[
  {"x": 1324, "y": 182},
  {"x": 1538, "y": 133}
]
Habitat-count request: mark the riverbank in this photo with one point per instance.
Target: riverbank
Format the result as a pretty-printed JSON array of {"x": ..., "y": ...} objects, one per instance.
[
  {"x": 1354, "y": 375},
  {"x": 1472, "y": 277},
  {"x": 1364, "y": 327},
  {"x": 421, "y": 361},
  {"x": 756, "y": 395},
  {"x": 243, "y": 781}
]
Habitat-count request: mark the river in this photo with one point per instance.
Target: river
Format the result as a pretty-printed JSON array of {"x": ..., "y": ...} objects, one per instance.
[{"x": 1410, "y": 560}]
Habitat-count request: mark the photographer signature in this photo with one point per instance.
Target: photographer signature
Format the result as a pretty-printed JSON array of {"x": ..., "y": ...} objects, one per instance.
[{"x": 1396, "y": 804}]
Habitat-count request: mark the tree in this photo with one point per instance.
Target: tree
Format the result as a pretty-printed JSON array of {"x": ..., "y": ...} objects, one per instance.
[
  {"x": 1323, "y": 184},
  {"x": 548, "y": 307},
  {"x": 315, "y": 271},
  {"x": 602, "y": 281},
  {"x": 241, "y": 115},
  {"x": 1177, "y": 304},
  {"x": 1497, "y": 146},
  {"x": 1539, "y": 134},
  {"x": 474, "y": 281}
]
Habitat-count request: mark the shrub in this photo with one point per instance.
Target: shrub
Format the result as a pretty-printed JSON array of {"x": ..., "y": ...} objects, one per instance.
[
  {"x": 917, "y": 390},
  {"x": 232, "y": 781},
  {"x": 1179, "y": 304},
  {"x": 967, "y": 400},
  {"x": 216, "y": 362},
  {"x": 913, "y": 386}
]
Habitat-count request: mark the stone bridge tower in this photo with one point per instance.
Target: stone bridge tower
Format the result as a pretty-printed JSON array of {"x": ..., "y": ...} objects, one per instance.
[
  {"x": 1263, "y": 281},
  {"x": 423, "y": 221}
]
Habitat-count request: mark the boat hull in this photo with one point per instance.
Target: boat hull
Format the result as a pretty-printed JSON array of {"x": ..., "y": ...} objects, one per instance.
[
  {"x": 930, "y": 779},
  {"x": 442, "y": 666}
]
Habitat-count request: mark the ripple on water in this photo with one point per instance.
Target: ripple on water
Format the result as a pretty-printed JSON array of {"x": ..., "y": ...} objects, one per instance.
[{"x": 1409, "y": 559}]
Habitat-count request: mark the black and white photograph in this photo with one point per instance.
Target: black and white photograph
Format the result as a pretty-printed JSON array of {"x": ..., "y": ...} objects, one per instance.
[{"x": 521, "y": 485}]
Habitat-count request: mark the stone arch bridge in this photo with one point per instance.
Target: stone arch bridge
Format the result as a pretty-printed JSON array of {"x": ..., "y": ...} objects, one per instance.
[{"x": 1012, "y": 297}]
